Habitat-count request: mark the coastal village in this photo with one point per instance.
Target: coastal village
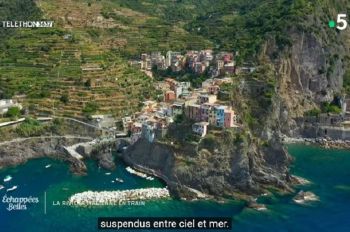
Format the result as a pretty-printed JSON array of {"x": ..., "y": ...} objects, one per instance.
[{"x": 201, "y": 105}]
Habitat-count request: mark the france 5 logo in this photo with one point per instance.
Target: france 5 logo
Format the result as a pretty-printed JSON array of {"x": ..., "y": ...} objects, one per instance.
[{"x": 341, "y": 23}]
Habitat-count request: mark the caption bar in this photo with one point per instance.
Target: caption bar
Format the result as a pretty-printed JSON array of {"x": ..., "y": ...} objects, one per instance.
[{"x": 154, "y": 223}]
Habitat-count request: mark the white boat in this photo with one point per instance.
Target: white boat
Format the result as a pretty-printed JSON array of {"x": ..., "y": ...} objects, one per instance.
[
  {"x": 47, "y": 166},
  {"x": 107, "y": 173},
  {"x": 119, "y": 180},
  {"x": 1, "y": 187},
  {"x": 11, "y": 189},
  {"x": 7, "y": 178}
]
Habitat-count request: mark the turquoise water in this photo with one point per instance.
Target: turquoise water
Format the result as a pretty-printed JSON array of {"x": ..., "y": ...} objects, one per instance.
[{"x": 329, "y": 171}]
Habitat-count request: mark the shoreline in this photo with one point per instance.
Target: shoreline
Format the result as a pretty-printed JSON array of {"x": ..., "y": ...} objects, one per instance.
[
  {"x": 323, "y": 142},
  {"x": 18, "y": 151}
]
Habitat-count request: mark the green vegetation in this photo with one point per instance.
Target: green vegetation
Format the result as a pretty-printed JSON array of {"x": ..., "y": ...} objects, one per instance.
[
  {"x": 14, "y": 112},
  {"x": 314, "y": 112},
  {"x": 209, "y": 142},
  {"x": 244, "y": 25},
  {"x": 330, "y": 108},
  {"x": 90, "y": 61},
  {"x": 47, "y": 63},
  {"x": 179, "y": 118},
  {"x": 30, "y": 127},
  {"x": 326, "y": 107},
  {"x": 90, "y": 108}
]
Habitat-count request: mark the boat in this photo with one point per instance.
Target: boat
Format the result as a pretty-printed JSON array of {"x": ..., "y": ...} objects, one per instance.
[
  {"x": 107, "y": 173},
  {"x": 119, "y": 180},
  {"x": 12, "y": 189},
  {"x": 1, "y": 187},
  {"x": 47, "y": 166},
  {"x": 7, "y": 178}
]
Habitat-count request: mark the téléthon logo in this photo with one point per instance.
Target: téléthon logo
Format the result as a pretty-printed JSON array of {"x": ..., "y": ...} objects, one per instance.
[{"x": 26, "y": 24}]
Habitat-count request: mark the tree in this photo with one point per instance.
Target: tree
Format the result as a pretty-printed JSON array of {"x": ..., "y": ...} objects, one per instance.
[
  {"x": 64, "y": 98},
  {"x": 90, "y": 108},
  {"x": 13, "y": 112}
]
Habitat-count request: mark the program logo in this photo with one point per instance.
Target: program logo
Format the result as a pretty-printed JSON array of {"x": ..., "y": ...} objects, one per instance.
[
  {"x": 26, "y": 24},
  {"x": 18, "y": 203}
]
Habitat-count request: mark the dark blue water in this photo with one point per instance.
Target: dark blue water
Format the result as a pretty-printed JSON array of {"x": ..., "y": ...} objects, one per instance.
[{"x": 328, "y": 170}]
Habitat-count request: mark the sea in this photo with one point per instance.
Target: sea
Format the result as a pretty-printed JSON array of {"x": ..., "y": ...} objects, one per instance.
[{"x": 49, "y": 187}]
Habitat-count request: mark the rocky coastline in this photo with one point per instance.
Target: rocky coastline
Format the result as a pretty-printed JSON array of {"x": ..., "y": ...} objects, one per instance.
[
  {"x": 159, "y": 160},
  {"x": 241, "y": 172},
  {"x": 323, "y": 142},
  {"x": 19, "y": 151}
]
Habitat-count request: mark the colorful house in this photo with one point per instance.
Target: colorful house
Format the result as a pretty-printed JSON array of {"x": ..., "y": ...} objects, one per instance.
[
  {"x": 205, "y": 98},
  {"x": 205, "y": 110},
  {"x": 200, "y": 128},
  {"x": 219, "y": 115},
  {"x": 170, "y": 96},
  {"x": 177, "y": 108},
  {"x": 230, "y": 118},
  {"x": 193, "y": 111},
  {"x": 214, "y": 89}
]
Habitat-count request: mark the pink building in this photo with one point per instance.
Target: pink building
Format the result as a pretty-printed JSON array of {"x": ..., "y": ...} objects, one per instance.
[{"x": 230, "y": 118}]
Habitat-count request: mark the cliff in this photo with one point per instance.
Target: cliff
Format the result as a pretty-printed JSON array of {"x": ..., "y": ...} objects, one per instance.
[
  {"x": 19, "y": 151},
  {"x": 227, "y": 166},
  {"x": 310, "y": 72}
]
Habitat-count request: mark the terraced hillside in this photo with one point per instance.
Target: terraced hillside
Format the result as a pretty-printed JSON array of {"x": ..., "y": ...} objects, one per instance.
[
  {"x": 129, "y": 27},
  {"x": 79, "y": 67},
  {"x": 59, "y": 72}
]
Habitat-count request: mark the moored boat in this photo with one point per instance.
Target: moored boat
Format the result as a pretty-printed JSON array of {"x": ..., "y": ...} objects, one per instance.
[
  {"x": 12, "y": 188},
  {"x": 7, "y": 178}
]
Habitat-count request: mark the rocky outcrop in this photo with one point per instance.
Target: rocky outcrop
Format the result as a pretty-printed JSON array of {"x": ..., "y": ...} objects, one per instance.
[
  {"x": 308, "y": 73},
  {"x": 231, "y": 169},
  {"x": 19, "y": 151}
]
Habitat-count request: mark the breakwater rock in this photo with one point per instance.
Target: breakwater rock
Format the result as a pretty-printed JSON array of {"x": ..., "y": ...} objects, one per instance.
[{"x": 90, "y": 198}]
